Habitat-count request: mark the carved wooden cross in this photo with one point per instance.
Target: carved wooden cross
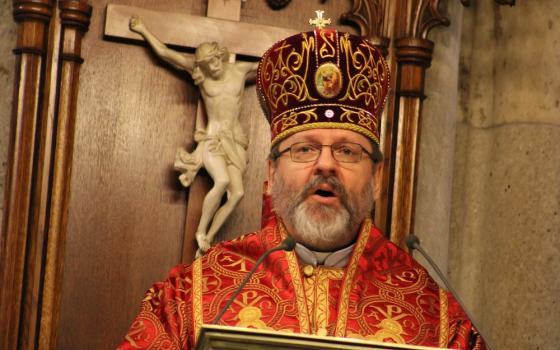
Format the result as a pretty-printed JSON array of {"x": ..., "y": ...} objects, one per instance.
[{"x": 182, "y": 30}]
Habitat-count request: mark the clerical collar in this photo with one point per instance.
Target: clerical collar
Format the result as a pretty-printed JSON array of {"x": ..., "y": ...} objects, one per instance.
[{"x": 338, "y": 258}]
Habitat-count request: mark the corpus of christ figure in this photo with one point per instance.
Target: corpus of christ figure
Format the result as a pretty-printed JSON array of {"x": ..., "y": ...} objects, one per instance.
[{"x": 222, "y": 144}]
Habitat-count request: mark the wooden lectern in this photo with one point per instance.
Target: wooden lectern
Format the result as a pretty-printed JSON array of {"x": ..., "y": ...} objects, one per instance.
[{"x": 237, "y": 338}]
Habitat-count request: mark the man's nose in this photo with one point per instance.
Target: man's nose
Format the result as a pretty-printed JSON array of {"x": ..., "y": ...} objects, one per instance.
[{"x": 326, "y": 164}]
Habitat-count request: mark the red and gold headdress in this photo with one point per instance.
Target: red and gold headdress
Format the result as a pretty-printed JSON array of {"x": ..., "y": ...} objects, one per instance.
[{"x": 323, "y": 79}]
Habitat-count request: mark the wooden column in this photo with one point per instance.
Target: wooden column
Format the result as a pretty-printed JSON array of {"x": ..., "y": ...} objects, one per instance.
[
  {"x": 19, "y": 234},
  {"x": 413, "y": 51},
  {"x": 74, "y": 19},
  {"x": 38, "y": 176}
]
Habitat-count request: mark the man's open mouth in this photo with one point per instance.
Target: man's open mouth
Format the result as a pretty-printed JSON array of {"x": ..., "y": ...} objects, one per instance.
[{"x": 324, "y": 193}]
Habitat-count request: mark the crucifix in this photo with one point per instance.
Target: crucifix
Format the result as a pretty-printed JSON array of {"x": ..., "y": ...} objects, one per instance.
[{"x": 216, "y": 117}]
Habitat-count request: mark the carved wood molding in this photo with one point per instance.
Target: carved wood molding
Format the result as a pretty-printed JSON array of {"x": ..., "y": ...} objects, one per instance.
[
  {"x": 370, "y": 17},
  {"x": 25, "y": 10},
  {"x": 424, "y": 17},
  {"x": 74, "y": 19},
  {"x": 75, "y": 13},
  {"x": 38, "y": 176},
  {"x": 20, "y": 233},
  {"x": 413, "y": 53}
]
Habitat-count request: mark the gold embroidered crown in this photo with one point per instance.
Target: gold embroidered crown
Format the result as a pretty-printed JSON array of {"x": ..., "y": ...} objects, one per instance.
[{"x": 323, "y": 79}]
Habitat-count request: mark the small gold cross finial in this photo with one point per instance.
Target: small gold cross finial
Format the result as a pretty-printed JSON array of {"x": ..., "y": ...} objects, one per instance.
[{"x": 320, "y": 22}]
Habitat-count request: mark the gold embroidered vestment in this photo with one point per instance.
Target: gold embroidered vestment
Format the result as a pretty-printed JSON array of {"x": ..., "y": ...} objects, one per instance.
[{"x": 382, "y": 294}]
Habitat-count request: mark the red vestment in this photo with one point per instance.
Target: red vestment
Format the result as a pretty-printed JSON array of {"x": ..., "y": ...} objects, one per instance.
[{"x": 382, "y": 294}]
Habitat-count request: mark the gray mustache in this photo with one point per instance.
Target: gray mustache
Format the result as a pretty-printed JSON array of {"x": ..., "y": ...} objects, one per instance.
[{"x": 317, "y": 180}]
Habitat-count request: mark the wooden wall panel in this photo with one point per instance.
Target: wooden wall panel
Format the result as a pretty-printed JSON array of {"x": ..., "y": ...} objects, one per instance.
[{"x": 127, "y": 208}]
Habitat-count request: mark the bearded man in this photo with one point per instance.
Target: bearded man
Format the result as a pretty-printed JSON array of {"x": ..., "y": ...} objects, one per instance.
[{"x": 344, "y": 278}]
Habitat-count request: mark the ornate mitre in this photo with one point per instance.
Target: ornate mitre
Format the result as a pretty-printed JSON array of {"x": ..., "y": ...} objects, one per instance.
[{"x": 323, "y": 79}]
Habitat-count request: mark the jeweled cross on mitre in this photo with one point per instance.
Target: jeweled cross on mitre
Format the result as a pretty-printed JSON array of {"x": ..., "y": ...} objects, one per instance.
[{"x": 320, "y": 22}]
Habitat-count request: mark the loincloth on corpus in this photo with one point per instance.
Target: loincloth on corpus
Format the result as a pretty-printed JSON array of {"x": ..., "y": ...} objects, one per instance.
[{"x": 224, "y": 144}]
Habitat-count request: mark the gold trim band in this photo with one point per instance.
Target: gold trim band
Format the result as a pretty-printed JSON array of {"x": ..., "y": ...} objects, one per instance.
[
  {"x": 443, "y": 318},
  {"x": 197, "y": 297},
  {"x": 348, "y": 281},
  {"x": 324, "y": 125}
]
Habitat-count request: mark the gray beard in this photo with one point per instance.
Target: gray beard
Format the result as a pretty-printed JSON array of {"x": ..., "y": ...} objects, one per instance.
[{"x": 322, "y": 227}]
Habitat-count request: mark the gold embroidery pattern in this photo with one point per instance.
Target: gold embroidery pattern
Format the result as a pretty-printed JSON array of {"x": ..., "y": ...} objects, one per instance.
[
  {"x": 322, "y": 300},
  {"x": 162, "y": 338},
  {"x": 317, "y": 295},
  {"x": 261, "y": 303},
  {"x": 443, "y": 318},
  {"x": 372, "y": 311},
  {"x": 152, "y": 299},
  {"x": 364, "y": 84},
  {"x": 184, "y": 318},
  {"x": 197, "y": 297},
  {"x": 293, "y": 119},
  {"x": 286, "y": 80},
  {"x": 390, "y": 329},
  {"x": 394, "y": 297},
  {"x": 325, "y": 125},
  {"x": 256, "y": 295},
  {"x": 349, "y": 279},
  {"x": 309, "y": 285},
  {"x": 231, "y": 264},
  {"x": 409, "y": 282},
  {"x": 363, "y": 118},
  {"x": 250, "y": 316},
  {"x": 327, "y": 50},
  {"x": 293, "y": 268}
]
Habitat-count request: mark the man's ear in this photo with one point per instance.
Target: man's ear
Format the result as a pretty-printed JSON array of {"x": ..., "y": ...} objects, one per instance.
[
  {"x": 376, "y": 178},
  {"x": 271, "y": 173}
]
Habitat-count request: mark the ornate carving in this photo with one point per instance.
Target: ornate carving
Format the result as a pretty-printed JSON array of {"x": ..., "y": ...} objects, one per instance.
[
  {"x": 414, "y": 51},
  {"x": 425, "y": 17},
  {"x": 33, "y": 9},
  {"x": 369, "y": 16}
]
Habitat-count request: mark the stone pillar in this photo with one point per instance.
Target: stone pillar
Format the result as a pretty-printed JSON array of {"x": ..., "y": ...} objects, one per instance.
[{"x": 504, "y": 253}]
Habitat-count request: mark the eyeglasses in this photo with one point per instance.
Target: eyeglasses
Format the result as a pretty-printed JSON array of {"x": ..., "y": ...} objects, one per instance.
[{"x": 344, "y": 152}]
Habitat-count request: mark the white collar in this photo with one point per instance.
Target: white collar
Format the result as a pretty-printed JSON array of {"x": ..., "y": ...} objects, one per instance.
[{"x": 338, "y": 258}]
